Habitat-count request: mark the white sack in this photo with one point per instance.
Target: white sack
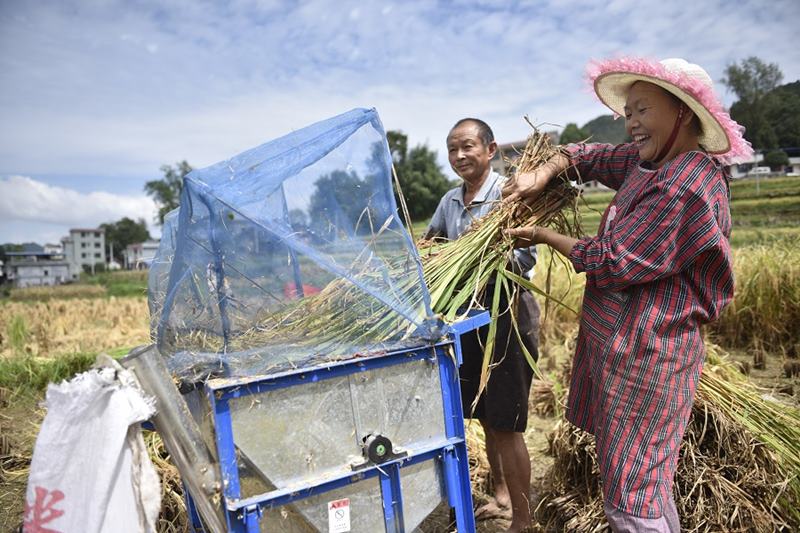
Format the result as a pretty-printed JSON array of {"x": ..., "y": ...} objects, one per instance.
[{"x": 90, "y": 470}]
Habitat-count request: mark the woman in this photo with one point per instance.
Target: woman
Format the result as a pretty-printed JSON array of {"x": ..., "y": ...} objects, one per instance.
[{"x": 659, "y": 268}]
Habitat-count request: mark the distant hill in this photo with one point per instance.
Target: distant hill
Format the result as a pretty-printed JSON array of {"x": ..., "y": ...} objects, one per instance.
[{"x": 604, "y": 129}]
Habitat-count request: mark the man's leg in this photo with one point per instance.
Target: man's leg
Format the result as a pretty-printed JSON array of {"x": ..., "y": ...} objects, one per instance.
[
  {"x": 516, "y": 466},
  {"x": 500, "y": 507}
]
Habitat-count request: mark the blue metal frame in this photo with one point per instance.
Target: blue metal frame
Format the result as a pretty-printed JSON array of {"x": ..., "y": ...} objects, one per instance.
[{"x": 242, "y": 515}]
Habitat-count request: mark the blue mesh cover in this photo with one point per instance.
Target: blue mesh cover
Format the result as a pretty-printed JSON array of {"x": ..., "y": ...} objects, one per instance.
[{"x": 291, "y": 253}]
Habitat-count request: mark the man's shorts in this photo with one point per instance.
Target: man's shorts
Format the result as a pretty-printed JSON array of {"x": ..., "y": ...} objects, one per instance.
[{"x": 504, "y": 402}]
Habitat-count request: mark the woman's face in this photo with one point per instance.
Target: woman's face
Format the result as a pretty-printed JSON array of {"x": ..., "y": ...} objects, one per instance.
[{"x": 650, "y": 114}]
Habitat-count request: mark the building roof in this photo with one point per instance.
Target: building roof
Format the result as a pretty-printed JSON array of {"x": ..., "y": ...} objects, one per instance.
[
  {"x": 40, "y": 263},
  {"x": 28, "y": 254},
  {"x": 76, "y": 230},
  {"x": 29, "y": 247},
  {"x": 141, "y": 245}
]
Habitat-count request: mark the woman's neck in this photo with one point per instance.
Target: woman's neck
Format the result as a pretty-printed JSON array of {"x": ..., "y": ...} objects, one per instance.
[{"x": 682, "y": 145}]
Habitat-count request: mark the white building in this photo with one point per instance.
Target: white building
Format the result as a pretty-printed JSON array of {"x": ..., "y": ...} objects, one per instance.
[
  {"x": 31, "y": 269},
  {"x": 748, "y": 170},
  {"x": 140, "y": 255},
  {"x": 54, "y": 248},
  {"x": 84, "y": 249}
]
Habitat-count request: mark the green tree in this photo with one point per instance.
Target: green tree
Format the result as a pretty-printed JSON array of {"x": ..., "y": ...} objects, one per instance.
[
  {"x": 783, "y": 114},
  {"x": 752, "y": 80},
  {"x": 332, "y": 203},
  {"x": 123, "y": 232},
  {"x": 572, "y": 134},
  {"x": 398, "y": 147},
  {"x": 776, "y": 159},
  {"x": 9, "y": 247},
  {"x": 420, "y": 176},
  {"x": 166, "y": 192}
]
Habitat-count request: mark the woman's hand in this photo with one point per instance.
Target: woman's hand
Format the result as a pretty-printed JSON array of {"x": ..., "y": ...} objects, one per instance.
[
  {"x": 525, "y": 237},
  {"x": 528, "y": 185},
  {"x": 530, "y": 235}
]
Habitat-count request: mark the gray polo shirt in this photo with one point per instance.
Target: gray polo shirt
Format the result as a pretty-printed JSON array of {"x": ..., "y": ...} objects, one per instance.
[{"x": 452, "y": 217}]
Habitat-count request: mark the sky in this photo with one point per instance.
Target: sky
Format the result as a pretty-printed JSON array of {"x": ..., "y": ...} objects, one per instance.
[{"x": 97, "y": 95}]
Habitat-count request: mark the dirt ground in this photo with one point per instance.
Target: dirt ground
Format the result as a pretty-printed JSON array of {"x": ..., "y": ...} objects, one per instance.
[
  {"x": 773, "y": 377},
  {"x": 20, "y": 418}
]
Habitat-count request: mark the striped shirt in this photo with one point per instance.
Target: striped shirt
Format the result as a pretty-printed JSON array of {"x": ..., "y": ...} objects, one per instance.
[{"x": 659, "y": 269}]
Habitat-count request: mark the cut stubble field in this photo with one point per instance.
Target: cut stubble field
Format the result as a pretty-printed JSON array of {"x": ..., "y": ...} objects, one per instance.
[{"x": 50, "y": 334}]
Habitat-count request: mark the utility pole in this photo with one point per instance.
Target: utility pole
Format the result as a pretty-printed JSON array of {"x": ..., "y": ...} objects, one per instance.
[{"x": 758, "y": 176}]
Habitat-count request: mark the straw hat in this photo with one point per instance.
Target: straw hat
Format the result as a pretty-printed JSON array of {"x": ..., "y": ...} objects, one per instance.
[{"x": 691, "y": 84}]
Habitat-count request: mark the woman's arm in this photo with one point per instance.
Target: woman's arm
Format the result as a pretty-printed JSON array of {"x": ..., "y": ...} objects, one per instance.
[
  {"x": 670, "y": 227},
  {"x": 606, "y": 163},
  {"x": 532, "y": 235}
]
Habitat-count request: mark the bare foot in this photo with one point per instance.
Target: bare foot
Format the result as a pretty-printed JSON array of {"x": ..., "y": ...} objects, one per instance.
[{"x": 493, "y": 510}]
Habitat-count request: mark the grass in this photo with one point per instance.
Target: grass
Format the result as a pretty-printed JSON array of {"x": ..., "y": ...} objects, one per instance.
[
  {"x": 127, "y": 283},
  {"x": 121, "y": 283},
  {"x": 765, "y": 312},
  {"x": 17, "y": 333},
  {"x": 28, "y": 375}
]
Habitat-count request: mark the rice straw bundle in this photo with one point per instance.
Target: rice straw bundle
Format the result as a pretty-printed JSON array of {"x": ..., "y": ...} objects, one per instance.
[
  {"x": 773, "y": 423},
  {"x": 457, "y": 274},
  {"x": 738, "y": 469}
]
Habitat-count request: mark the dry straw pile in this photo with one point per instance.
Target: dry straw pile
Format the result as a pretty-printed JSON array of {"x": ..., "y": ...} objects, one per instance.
[
  {"x": 738, "y": 468},
  {"x": 55, "y": 327}
]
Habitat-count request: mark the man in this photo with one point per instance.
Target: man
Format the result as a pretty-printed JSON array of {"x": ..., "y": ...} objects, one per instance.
[{"x": 502, "y": 408}]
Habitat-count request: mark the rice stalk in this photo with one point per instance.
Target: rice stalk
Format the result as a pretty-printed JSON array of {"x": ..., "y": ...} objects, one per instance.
[
  {"x": 458, "y": 272},
  {"x": 765, "y": 311},
  {"x": 173, "y": 517}
]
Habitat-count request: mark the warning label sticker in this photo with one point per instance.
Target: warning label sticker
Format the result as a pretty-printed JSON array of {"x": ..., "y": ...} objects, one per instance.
[{"x": 339, "y": 516}]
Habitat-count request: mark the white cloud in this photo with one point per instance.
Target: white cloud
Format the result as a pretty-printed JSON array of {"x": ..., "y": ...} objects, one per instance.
[
  {"x": 26, "y": 200},
  {"x": 109, "y": 88}
]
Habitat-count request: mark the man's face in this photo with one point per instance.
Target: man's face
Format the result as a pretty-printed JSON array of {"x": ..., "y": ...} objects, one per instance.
[{"x": 468, "y": 156}]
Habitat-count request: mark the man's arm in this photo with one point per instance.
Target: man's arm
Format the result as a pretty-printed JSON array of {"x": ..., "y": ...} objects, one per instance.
[{"x": 437, "y": 227}]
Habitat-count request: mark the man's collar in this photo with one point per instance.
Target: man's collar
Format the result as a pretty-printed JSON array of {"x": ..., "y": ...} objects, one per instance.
[{"x": 483, "y": 192}]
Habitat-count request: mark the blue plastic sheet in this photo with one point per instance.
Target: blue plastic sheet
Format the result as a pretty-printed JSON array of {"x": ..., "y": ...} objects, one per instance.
[{"x": 276, "y": 248}]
